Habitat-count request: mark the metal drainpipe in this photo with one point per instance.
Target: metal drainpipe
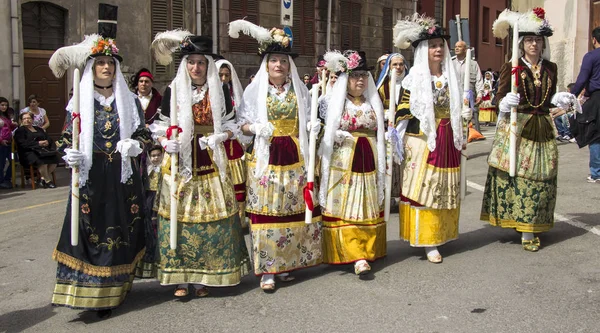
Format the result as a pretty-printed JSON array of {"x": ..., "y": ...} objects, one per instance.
[
  {"x": 199, "y": 17},
  {"x": 328, "y": 41},
  {"x": 16, "y": 59},
  {"x": 214, "y": 27}
]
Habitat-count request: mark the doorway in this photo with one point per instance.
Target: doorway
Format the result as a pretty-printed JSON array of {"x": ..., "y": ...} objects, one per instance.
[{"x": 43, "y": 27}]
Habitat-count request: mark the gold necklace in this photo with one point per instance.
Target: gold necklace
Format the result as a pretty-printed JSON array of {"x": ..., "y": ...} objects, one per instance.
[{"x": 543, "y": 99}]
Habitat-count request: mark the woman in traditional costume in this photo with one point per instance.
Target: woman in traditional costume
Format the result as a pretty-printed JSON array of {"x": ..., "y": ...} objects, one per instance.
[
  {"x": 487, "y": 111},
  {"x": 429, "y": 124},
  {"x": 352, "y": 165},
  {"x": 275, "y": 112},
  {"x": 211, "y": 250},
  {"x": 98, "y": 272},
  {"x": 526, "y": 201},
  {"x": 233, "y": 148},
  {"x": 398, "y": 62}
]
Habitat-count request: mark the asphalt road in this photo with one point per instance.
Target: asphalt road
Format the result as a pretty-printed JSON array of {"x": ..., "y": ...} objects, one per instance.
[{"x": 486, "y": 283}]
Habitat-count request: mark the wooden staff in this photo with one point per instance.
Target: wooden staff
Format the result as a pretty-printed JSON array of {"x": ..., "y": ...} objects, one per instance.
[
  {"x": 512, "y": 142},
  {"x": 174, "y": 169},
  {"x": 312, "y": 147},
  {"x": 466, "y": 105},
  {"x": 75, "y": 171},
  {"x": 324, "y": 82},
  {"x": 389, "y": 148}
]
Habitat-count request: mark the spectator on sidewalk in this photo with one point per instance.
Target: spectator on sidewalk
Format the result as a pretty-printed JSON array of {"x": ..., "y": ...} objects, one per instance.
[
  {"x": 6, "y": 128},
  {"x": 588, "y": 124},
  {"x": 562, "y": 124},
  {"x": 475, "y": 79}
]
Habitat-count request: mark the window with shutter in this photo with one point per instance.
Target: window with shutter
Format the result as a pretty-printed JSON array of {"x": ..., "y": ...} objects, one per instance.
[
  {"x": 248, "y": 10},
  {"x": 43, "y": 26},
  {"x": 350, "y": 21},
  {"x": 304, "y": 27},
  {"x": 167, "y": 15},
  {"x": 160, "y": 22},
  {"x": 388, "y": 25}
]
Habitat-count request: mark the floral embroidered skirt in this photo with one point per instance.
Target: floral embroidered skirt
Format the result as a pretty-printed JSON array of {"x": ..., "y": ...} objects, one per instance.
[
  {"x": 237, "y": 167},
  {"x": 525, "y": 202},
  {"x": 210, "y": 245},
  {"x": 430, "y": 199},
  {"x": 353, "y": 226},
  {"x": 97, "y": 273},
  {"x": 487, "y": 114},
  {"x": 281, "y": 240}
]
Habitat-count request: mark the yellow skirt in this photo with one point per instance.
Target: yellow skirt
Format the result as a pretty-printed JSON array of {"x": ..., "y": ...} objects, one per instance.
[{"x": 353, "y": 226}]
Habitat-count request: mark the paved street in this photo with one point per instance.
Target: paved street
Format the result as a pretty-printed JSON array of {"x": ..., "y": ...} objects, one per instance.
[{"x": 486, "y": 283}]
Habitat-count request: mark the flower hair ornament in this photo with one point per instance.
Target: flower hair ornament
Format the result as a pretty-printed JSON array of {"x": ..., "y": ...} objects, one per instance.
[
  {"x": 345, "y": 62},
  {"x": 531, "y": 23},
  {"x": 269, "y": 41}
]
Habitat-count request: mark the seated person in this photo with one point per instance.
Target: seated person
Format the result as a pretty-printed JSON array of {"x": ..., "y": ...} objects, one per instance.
[{"x": 36, "y": 148}]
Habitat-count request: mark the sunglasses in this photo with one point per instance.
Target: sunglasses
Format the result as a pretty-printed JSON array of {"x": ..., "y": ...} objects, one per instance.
[{"x": 359, "y": 74}]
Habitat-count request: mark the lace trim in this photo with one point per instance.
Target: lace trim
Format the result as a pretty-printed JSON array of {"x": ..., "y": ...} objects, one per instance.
[
  {"x": 104, "y": 101},
  {"x": 199, "y": 93},
  {"x": 280, "y": 96},
  {"x": 101, "y": 271}
]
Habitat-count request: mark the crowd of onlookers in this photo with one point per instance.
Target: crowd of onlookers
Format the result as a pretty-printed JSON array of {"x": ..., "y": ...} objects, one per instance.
[{"x": 34, "y": 148}]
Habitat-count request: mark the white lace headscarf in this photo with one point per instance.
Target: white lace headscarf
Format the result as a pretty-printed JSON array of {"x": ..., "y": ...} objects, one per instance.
[
  {"x": 254, "y": 110},
  {"x": 418, "y": 82},
  {"x": 129, "y": 118},
  {"x": 185, "y": 117},
  {"x": 334, "y": 105},
  {"x": 238, "y": 91}
]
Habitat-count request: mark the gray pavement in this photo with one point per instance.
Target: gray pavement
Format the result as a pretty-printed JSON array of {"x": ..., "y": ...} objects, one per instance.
[{"x": 486, "y": 283}]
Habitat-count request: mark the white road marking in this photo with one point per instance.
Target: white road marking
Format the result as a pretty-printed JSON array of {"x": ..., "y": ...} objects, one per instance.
[{"x": 557, "y": 217}]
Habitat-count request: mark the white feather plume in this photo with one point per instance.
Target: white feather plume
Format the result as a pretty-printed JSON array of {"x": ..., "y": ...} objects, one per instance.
[
  {"x": 409, "y": 29},
  {"x": 72, "y": 56},
  {"x": 504, "y": 22},
  {"x": 335, "y": 61},
  {"x": 262, "y": 35},
  {"x": 165, "y": 43}
]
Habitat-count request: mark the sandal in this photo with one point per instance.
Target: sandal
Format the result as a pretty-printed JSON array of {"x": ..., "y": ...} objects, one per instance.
[
  {"x": 201, "y": 292},
  {"x": 180, "y": 292},
  {"x": 436, "y": 259},
  {"x": 267, "y": 286},
  {"x": 531, "y": 245},
  {"x": 361, "y": 268}
]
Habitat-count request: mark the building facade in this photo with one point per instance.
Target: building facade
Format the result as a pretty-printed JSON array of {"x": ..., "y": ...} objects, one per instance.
[{"x": 34, "y": 29}]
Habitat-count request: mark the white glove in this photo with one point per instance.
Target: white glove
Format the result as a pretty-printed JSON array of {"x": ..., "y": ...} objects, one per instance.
[
  {"x": 509, "y": 101},
  {"x": 466, "y": 113},
  {"x": 212, "y": 141},
  {"x": 313, "y": 128},
  {"x": 396, "y": 138},
  {"x": 129, "y": 148},
  {"x": 341, "y": 135},
  {"x": 171, "y": 146},
  {"x": 73, "y": 157},
  {"x": 262, "y": 130}
]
